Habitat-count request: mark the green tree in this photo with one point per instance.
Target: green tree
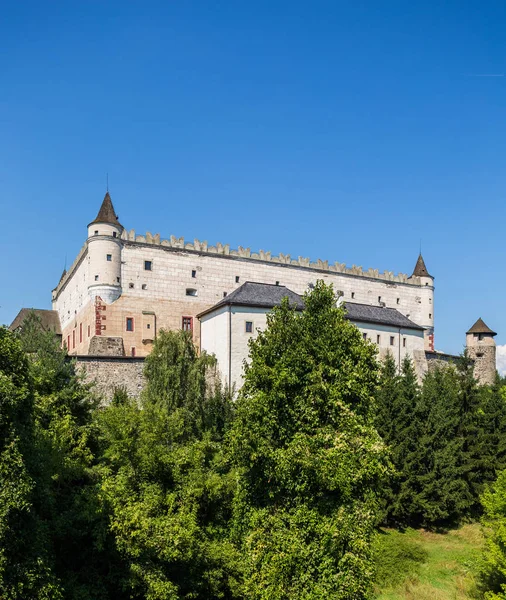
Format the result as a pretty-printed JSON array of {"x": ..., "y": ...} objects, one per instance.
[
  {"x": 493, "y": 574},
  {"x": 26, "y": 569},
  {"x": 398, "y": 398},
  {"x": 165, "y": 483},
  {"x": 308, "y": 456},
  {"x": 65, "y": 497},
  {"x": 439, "y": 493}
]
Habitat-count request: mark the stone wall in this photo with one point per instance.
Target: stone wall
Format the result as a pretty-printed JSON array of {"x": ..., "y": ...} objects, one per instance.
[{"x": 111, "y": 372}]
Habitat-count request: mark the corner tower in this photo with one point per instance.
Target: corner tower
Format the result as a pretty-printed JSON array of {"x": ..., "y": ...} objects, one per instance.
[
  {"x": 481, "y": 348},
  {"x": 104, "y": 254},
  {"x": 425, "y": 314}
]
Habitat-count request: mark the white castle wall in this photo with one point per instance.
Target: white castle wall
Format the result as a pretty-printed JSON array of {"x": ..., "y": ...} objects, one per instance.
[{"x": 163, "y": 290}]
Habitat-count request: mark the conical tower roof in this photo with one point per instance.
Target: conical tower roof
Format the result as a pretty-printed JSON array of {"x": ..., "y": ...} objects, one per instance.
[
  {"x": 107, "y": 214},
  {"x": 420, "y": 269},
  {"x": 481, "y": 327}
]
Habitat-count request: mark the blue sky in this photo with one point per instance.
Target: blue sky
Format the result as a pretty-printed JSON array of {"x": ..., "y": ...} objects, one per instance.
[{"x": 337, "y": 130}]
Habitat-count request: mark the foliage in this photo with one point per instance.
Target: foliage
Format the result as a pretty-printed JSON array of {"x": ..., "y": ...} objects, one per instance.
[
  {"x": 309, "y": 459},
  {"x": 494, "y": 559},
  {"x": 165, "y": 481},
  {"x": 446, "y": 439},
  {"x": 397, "y": 557},
  {"x": 425, "y": 565}
]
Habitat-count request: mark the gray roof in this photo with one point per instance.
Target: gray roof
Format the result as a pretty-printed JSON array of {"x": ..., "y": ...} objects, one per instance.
[
  {"x": 49, "y": 319},
  {"x": 381, "y": 315},
  {"x": 264, "y": 295}
]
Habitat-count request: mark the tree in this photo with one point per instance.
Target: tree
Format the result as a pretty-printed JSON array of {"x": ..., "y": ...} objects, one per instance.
[
  {"x": 164, "y": 479},
  {"x": 493, "y": 574},
  {"x": 439, "y": 490},
  {"x": 398, "y": 398},
  {"x": 54, "y": 541},
  {"x": 308, "y": 457},
  {"x": 25, "y": 564}
]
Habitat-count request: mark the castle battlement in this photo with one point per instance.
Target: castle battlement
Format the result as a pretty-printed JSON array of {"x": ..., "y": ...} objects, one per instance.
[{"x": 203, "y": 247}]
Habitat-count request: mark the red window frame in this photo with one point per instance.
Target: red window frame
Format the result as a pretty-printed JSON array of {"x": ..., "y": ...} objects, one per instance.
[
  {"x": 129, "y": 321},
  {"x": 187, "y": 323}
]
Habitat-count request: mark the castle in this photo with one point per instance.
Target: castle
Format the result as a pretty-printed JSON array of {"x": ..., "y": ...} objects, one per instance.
[{"x": 122, "y": 288}]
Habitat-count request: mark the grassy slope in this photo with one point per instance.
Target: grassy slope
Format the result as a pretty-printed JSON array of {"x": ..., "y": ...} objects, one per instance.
[{"x": 440, "y": 566}]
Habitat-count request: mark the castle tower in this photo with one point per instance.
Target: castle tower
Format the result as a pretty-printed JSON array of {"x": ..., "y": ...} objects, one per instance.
[
  {"x": 425, "y": 314},
  {"x": 480, "y": 345},
  {"x": 104, "y": 254}
]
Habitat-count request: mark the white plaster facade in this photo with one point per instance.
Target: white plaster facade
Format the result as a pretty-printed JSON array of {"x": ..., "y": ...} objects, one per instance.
[
  {"x": 223, "y": 332},
  {"x": 98, "y": 295}
]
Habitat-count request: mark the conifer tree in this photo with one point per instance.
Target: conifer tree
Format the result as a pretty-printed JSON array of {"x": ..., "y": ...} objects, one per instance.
[
  {"x": 310, "y": 461},
  {"x": 404, "y": 446},
  {"x": 439, "y": 491}
]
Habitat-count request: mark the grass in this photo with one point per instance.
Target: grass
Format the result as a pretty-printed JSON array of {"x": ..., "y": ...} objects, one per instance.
[{"x": 422, "y": 565}]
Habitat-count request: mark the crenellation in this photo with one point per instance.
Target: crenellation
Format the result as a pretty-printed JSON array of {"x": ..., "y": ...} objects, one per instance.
[{"x": 262, "y": 255}]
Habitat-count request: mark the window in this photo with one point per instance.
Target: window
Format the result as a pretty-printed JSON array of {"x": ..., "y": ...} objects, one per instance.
[
  {"x": 132, "y": 351},
  {"x": 148, "y": 265},
  {"x": 430, "y": 300},
  {"x": 80, "y": 333},
  {"x": 191, "y": 292},
  {"x": 129, "y": 324},
  {"x": 88, "y": 331},
  {"x": 403, "y": 342},
  {"x": 430, "y": 315},
  {"x": 352, "y": 295},
  {"x": 117, "y": 279},
  {"x": 249, "y": 326},
  {"x": 96, "y": 277},
  {"x": 237, "y": 278},
  {"x": 144, "y": 286},
  {"x": 109, "y": 257},
  {"x": 96, "y": 232},
  {"x": 392, "y": 340},
  {"x": 131, "y": 286},
  {"x": 194, "y": 273},
  {"x": 480, "y": 337},
  {"x": 187, "y": 324},
  {"x": 68, "y": 342},
  {"x": 479, "y": 355},
  {"x": 398, "y": 300},
  {"x": 224, "y": 294},
  {"x": 74, "y": 338},
  {"x": 379, "y": 298},
  {"x": 378, "y": 339},
  {"x": 113, "y": 234},
  {"x": 277, "y": 282},
  {"x": 364, "y": 335},
  {"x": 148, "y": 326}
]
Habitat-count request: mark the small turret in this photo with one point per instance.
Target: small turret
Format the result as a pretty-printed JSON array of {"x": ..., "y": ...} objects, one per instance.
[
  {"x": 104, "y": 254},
  {"x": 481, "y": 348},
  {"x": 425, "y": 315}
]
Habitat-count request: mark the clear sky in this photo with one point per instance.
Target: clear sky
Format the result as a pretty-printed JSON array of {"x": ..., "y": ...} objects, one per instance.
[{"x": 337, "y": 130}]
